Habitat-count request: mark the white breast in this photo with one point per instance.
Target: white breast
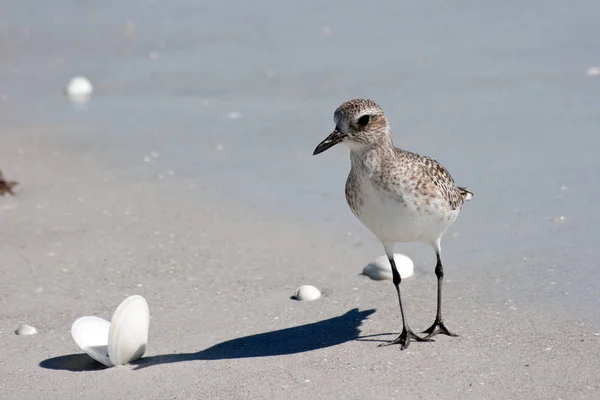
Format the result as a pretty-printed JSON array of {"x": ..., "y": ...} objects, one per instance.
[{"x": 405, "y": 220}]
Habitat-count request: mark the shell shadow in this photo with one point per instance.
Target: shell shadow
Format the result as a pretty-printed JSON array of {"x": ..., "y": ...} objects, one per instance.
[
  {"x": 73, "y": 362},
  {"x": 298, "y": 339}
]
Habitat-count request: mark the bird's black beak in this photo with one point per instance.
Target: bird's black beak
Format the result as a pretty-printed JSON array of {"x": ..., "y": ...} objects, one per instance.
[{"x": 334, "y": 138}]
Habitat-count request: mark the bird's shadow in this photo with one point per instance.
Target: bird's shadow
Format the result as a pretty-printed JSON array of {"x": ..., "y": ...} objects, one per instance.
[{"x": 298, "y": 339}]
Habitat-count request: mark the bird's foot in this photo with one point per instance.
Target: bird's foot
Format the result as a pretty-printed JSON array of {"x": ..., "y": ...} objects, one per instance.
[
  {"x": 438, "y": 328},
  {"x": 404, "y": 339}
]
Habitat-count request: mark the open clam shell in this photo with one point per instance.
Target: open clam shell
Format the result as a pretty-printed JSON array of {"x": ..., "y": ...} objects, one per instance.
[
  {"x": 119, "y": 342},
  {"x": 128, "y": 336},
  {"x": 91, "y": 335}
]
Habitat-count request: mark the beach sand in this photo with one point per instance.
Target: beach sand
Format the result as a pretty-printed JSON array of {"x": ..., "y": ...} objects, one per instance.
[
  {"x": 188, "y": 179},
  {"x": 80, "y": 237}
]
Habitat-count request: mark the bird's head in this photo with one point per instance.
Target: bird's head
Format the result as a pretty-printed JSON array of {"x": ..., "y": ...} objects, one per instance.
[{"x": 360, "y": 124}]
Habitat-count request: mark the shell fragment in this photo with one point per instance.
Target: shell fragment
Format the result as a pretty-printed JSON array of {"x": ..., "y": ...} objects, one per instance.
[{"x": 26, "y": 330}]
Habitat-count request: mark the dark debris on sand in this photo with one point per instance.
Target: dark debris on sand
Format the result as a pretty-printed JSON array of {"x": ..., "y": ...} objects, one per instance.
[{"x": 6, "y": 186}]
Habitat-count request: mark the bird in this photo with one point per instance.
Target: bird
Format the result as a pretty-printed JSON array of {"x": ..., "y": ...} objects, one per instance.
[{"x": 400, "y": 196}]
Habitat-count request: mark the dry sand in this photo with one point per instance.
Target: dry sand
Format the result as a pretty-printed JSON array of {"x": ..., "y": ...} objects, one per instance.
[{"x": 80, "y": 236}]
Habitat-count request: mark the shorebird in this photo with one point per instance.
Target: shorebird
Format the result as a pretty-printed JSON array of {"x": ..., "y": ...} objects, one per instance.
[{"x": 398, "y": 195}]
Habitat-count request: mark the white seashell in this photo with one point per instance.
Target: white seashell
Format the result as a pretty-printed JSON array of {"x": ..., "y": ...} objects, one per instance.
[
  {"x": 119, "y": 342},
  {"x": 79, "y": 85},
  {"x": 128, "y": 336},
  {"x": 91, "y": 335},
  {"x": 79, "y": 89},
  {"x": 381, "y": 269},
  {"x": 307, "y": 293},
  {"x": 26, "y": 330}
]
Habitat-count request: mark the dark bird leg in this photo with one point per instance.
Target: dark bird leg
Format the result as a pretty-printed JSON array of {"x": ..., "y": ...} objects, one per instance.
[
  {"x": 407, "y": 334},
  {"x": 438, "y": 326}
]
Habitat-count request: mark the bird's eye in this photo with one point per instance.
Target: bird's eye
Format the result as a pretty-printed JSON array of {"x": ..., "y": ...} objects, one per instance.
[{"x": 364, "y": 120}]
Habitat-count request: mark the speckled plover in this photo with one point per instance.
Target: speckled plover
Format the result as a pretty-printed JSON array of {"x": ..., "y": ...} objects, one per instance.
[{"x": 398, "y": 195}]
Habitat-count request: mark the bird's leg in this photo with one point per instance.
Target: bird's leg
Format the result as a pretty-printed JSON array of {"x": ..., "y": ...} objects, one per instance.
[
  {"x": 438, "y": 326},
  {"x": 407, "y": 334}
]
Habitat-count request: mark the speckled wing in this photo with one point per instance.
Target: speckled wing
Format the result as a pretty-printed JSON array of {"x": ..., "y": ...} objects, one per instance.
[{"x": 431, "y": 174}]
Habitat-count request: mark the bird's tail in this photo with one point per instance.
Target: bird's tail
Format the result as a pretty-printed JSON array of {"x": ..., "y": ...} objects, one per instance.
[{"x": 465, "y": 193}]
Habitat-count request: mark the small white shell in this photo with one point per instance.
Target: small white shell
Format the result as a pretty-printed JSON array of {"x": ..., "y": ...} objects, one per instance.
[
  {"x": 381, "y": 269},
  {"x": 91, "y": 335},
  {"x": 307, "y": 293},
  {"x": 79, "y": 86},
  {"x": 79, "y": 90},
  {"x": 128, "y": 335},
  {"x": 26, "y": 330}
]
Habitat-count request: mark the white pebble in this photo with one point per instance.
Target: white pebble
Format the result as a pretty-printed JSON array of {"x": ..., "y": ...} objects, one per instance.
[
  {"x": 79, "y": 90},
  {"x": 79, "y": 85},
  {"x": 307, "y": 293},
  {"x": 234, "y": 115},
  {"x": 26, "y": 330},
  {"x": 381, "y": 269}
]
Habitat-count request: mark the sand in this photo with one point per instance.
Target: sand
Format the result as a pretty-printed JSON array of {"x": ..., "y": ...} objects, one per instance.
[
  {"x": 79, "y": 237},
  {"x": 188, "y": 179}
]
